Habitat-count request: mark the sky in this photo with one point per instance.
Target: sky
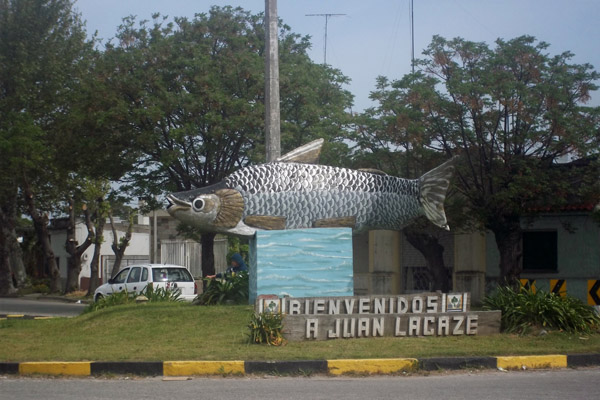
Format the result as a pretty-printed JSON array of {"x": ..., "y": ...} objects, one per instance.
[{"x": 373, "y": 37}]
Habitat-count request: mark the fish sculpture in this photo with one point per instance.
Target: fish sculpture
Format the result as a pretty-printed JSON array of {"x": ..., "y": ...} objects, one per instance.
[{"x": 292, "y": 193}]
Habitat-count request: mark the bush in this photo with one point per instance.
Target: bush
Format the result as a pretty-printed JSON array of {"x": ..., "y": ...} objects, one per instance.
[
  {"x": 160, "y": 294},
  {"x": 153, "y": 295},
  {"x": 114, "y": 299},
  {"x": 267, "y": 328},
  {"x": 233, "y": 289},
  {"x": 523, "y": 309},
  {"x": 40, "y": 288}
]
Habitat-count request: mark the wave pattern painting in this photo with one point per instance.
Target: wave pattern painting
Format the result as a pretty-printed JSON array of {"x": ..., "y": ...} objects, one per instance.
[{"x": 313, "y": 262}]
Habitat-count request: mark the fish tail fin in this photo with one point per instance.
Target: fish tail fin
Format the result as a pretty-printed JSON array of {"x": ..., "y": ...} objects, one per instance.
[{"x": 433, "y": 187}]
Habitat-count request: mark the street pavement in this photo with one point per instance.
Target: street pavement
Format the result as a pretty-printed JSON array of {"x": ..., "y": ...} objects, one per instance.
[
  {"x": 466, "y": 385},
  {"x": 40, "y": 306}
]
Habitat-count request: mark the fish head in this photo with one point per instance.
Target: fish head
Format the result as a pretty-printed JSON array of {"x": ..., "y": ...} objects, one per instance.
[
  {"x": 207, "y": 209},
  {"x": 200, "y": 211}
]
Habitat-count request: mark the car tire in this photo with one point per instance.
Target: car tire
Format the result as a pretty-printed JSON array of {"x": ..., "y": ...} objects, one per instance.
[{"x": 98, "y": 297}]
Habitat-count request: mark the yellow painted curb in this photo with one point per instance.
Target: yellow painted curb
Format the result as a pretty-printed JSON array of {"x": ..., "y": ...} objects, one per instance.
[
  {"x": 184, "y": 368},
  {"x": 549, "y": 361},
  {"x": 15, "y": 316},
  {"x": 43, "y": 317},
  {"x": 371, "y": 366},
  {"x": 55, "y": 368}
]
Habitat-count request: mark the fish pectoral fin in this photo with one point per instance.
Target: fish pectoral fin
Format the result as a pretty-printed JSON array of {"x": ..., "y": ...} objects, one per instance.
[
  {"x": 267, "y": 222},
  {"x": 231, "y": 208},
  {"x": 307, "y": 154},
  {"x": 341, "y": 222}
]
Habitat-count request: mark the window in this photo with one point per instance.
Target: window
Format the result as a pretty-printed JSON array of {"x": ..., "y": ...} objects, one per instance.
[
  {"x": 121, "y": 276},
  {"x": 134, "y": 276},
  {"x": 144, "y": 274},
  {"x": 540, "y": 251},
  {"x": 171, "y": 275}
]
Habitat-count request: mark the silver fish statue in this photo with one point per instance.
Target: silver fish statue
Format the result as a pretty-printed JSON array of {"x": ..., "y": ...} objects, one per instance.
[{"x": 291, "y": 193}]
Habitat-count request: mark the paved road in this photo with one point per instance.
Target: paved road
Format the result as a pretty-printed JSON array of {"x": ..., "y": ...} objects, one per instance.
[
  {"x": 547, "y": 385},
  {"x": 45, "y": 308}
]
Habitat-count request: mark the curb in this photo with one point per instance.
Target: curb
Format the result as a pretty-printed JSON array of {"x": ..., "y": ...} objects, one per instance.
[
  {"x": 300, "y": 367},
  {"x": 22, "y": 316}
]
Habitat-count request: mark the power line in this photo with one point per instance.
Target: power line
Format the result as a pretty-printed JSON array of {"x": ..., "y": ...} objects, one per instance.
[{"x": 327, "y": 16}]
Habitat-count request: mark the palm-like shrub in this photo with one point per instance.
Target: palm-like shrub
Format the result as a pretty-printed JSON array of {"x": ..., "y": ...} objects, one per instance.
[
  {"x": 267, "y": 328},
  {"x": 150, "y": 292},
  {"x": 232, "y": 289},
  {"x": 524, "y": 309}
]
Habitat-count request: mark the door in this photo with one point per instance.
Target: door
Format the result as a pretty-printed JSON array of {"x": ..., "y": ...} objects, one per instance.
[
  {"x": 119, "y": 281},
  {"x": 134, "y": 284}
]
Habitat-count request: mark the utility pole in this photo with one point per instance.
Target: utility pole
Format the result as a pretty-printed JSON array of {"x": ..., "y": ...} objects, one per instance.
[
  {"x": 412, "y": 35},
  {"x": 272, "y": 111},
  {"x": 326, "y": 22}
]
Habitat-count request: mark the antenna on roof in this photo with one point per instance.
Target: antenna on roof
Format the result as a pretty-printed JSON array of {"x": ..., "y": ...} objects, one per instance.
[{"x": 326, "y": 22}]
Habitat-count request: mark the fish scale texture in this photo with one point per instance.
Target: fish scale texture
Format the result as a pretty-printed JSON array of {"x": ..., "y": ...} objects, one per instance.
[{"x": 305, "y": 193}]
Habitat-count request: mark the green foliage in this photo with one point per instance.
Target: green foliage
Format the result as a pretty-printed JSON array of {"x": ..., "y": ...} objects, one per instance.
[
  {"x": 154, "y": 295},
  {"x": 510, "y": 111},
  {"x": 161, "y": 294},
  {"x": 266, "y": 328},
  {"x": 524, "y": 309},
  {"x": 237, "y": 245},
  {"x": 232, "y": 289},
  {"x": 115, "y": 299},
  {"x": 40, "y": 288}
]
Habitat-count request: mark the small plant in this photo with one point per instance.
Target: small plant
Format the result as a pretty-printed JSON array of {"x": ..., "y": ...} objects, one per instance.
[
  {"x": 40, "y": 288},
  {"x": 233, "y": 289},
  {"x": 267, "y": 328},
  {"x": 114, "y": 299},
  {"x": 161, "y": 294},
  {"x": 524, "y": 309},
  {"x": 154, "y": 295}
]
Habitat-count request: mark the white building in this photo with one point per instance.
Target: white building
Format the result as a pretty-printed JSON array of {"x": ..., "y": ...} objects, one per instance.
[
  {"x": 138, "y": 250},
  {"x": 170, "y": 247}
]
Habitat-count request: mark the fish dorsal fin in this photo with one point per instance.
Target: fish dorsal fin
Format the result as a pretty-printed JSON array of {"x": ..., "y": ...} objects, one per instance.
[
  {"x": 372, "y": 171},
  {"x": 307, "y": 154}
]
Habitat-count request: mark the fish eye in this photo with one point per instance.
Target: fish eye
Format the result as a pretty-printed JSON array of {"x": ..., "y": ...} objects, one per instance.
[{"x": 198, "y": 204}]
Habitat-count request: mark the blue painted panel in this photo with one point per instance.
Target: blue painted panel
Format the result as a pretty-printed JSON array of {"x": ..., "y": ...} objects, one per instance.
[{"x": 304, "y": 263}]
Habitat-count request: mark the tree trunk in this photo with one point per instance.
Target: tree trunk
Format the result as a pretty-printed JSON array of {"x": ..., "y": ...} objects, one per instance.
[
  {"x": 429, "y": 246},
  {"x": 509, "y": 241},
  {"x": 119, "y": 245},
  {"x": 17, "y": 265},
  {"x": 15, "y": 253},
  {"x": 40, "y": 223},
  {"x": 94, "y": 264},
  {"x": 208, "y": 257},
  {"x": 75, "y": 252},
  {"x": 6, "y": 279}
]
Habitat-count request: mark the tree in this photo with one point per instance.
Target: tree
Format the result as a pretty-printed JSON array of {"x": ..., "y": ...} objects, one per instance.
[
  {"x": 511, "y": 113},
  {"x": 193, "y": 92},
  {"x": 36, "y": 95},
  {"x": 119, "y": 245},
  {"x": 385, "y": 143}
]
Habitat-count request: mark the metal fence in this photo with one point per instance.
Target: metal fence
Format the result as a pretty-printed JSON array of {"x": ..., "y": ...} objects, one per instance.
[
  {"x": 418, "y": 279},
  {"x": 189, "y": 254}
]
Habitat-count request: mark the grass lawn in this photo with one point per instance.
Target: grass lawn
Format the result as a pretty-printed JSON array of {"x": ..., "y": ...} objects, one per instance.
[{"x": 172, "y": 331}]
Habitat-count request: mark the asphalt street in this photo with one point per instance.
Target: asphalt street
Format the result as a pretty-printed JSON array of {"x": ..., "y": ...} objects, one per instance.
[
  {"x": 42, "y": 308},
  {"x": 464, "y": 385}
]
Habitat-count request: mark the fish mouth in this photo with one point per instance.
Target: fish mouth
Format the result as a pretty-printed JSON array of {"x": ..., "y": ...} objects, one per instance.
[{"x": 176, "y": 204}]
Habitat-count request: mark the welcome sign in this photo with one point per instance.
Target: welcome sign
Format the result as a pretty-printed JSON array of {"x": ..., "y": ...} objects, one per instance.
[{"x": 425, "y": 314}]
